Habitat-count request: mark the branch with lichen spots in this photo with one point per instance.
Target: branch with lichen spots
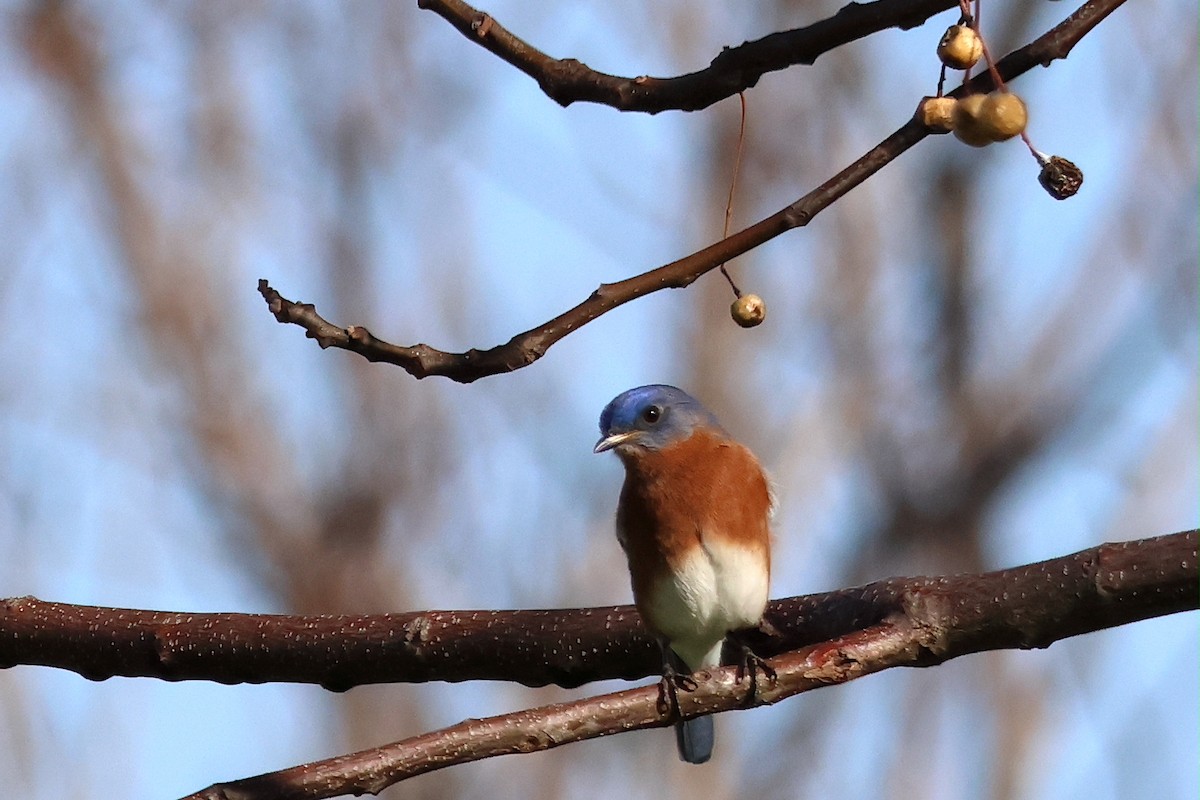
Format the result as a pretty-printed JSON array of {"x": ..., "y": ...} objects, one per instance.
[
  {"x": 1029, "y": 606},
  {"x": 892, "y": 644},
  {"x": 922, "y": 622}
]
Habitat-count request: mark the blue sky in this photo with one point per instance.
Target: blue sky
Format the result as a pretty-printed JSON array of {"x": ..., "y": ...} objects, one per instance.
[{"x": 478, "y": 208}]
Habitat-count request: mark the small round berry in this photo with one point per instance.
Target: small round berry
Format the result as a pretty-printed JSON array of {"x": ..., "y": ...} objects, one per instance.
[
  {"x": 960, "y": 47},
  {"x": 1003, "y": 116},
  {"x": 937, "y": 113},
  {"x": 967, "y": 126},
  {"x": 748, "y": 310}
]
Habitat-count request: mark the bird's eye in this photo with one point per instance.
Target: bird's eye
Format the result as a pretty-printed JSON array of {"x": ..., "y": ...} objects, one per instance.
[{"x": 652, "y": 414}]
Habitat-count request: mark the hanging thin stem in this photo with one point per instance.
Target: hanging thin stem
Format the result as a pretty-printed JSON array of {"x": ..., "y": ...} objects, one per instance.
[{"x": 737, "y": 168}]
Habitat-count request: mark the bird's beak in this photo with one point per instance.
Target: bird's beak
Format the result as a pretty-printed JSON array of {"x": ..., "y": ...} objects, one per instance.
[{"x": 609, "y": 442}]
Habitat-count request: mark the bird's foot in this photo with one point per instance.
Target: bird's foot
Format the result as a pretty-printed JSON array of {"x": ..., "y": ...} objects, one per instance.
[
  {"x": 750, "y": 665},
  {"x": 668, "y": 689}
]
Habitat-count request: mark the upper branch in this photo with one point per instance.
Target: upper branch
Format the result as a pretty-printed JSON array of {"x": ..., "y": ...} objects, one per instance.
[
  {"x": 734, "y": 70},
  {"x": 421, "y": 360},
  {"x": 1029, "y": 606}
]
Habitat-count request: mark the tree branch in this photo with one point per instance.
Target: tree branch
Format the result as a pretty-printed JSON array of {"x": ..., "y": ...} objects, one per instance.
[
  {"x": 734, "y": 70},
  {"x": 421, "y": 360},
  {"x": 895, "y": 643},
  {"x": 922, "y": 622},
  {"x": 1029, "y": 606}
]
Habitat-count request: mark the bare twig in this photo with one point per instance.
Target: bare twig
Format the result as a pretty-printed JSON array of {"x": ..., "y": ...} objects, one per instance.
[
  {"x": 734, "y": 70},
  {"x": 1027, "y": 606},
  {"x": 896, "y": 643},
  {"x": 929, "y": 622},
  {"x": 421, "y": 360}
]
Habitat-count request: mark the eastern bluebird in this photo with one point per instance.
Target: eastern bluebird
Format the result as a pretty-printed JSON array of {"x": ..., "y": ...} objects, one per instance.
[{"x": 693, "y": 520}]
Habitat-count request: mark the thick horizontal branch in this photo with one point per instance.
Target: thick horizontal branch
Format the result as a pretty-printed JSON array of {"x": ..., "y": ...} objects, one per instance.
[
  {"x": 734, "y": 70},
  {"x": 421, "y": 360},
  {"x": 921, "y": 623},
  {"x": 1029, "y": 606}
]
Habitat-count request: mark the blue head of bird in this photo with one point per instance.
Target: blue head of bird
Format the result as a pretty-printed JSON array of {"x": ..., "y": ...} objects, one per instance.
[{"x": 650, "y": 418}]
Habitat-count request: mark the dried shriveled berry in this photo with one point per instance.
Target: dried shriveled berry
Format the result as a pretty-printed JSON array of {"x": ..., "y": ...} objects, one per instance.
[
  {"x": 937, "y": 113},
  {"x": 748, "y": 310},
  {"x": 1060, "y": 177},
  {"x": 960, "y": 47}
]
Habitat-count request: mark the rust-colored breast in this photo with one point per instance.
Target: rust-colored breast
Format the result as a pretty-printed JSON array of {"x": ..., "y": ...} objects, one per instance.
[{"x": 705, "y": 484}]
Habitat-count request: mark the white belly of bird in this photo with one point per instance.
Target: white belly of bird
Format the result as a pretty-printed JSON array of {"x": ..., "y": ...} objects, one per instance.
[{"x": 721, "y": 587}]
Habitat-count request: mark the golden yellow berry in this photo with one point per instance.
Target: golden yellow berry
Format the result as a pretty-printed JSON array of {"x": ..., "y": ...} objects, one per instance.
[
  {"x": 960, "y": 47},
  {"x": 748, "y": 310},
  {"x": 967, "y": 126},
  {"x": 1003, "y": 115},
  {"x": 937, "y": 113}
]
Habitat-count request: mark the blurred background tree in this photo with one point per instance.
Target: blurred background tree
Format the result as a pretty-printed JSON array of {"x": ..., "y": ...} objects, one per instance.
[{"x": 958, "y": 373}]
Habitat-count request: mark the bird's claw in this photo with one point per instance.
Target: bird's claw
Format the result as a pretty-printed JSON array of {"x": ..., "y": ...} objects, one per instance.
[
  {"x": 668, "y": 702},
  {"x": 750, "y": 665},
  {"x": 669, "y": 687}
]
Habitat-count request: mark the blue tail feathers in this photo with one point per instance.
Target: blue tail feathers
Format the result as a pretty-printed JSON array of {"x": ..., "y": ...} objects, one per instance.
[{"x": 695, "y": 739}]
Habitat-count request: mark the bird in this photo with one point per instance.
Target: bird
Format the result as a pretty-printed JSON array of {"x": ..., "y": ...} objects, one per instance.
[{"x": 693, "y": 519}]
